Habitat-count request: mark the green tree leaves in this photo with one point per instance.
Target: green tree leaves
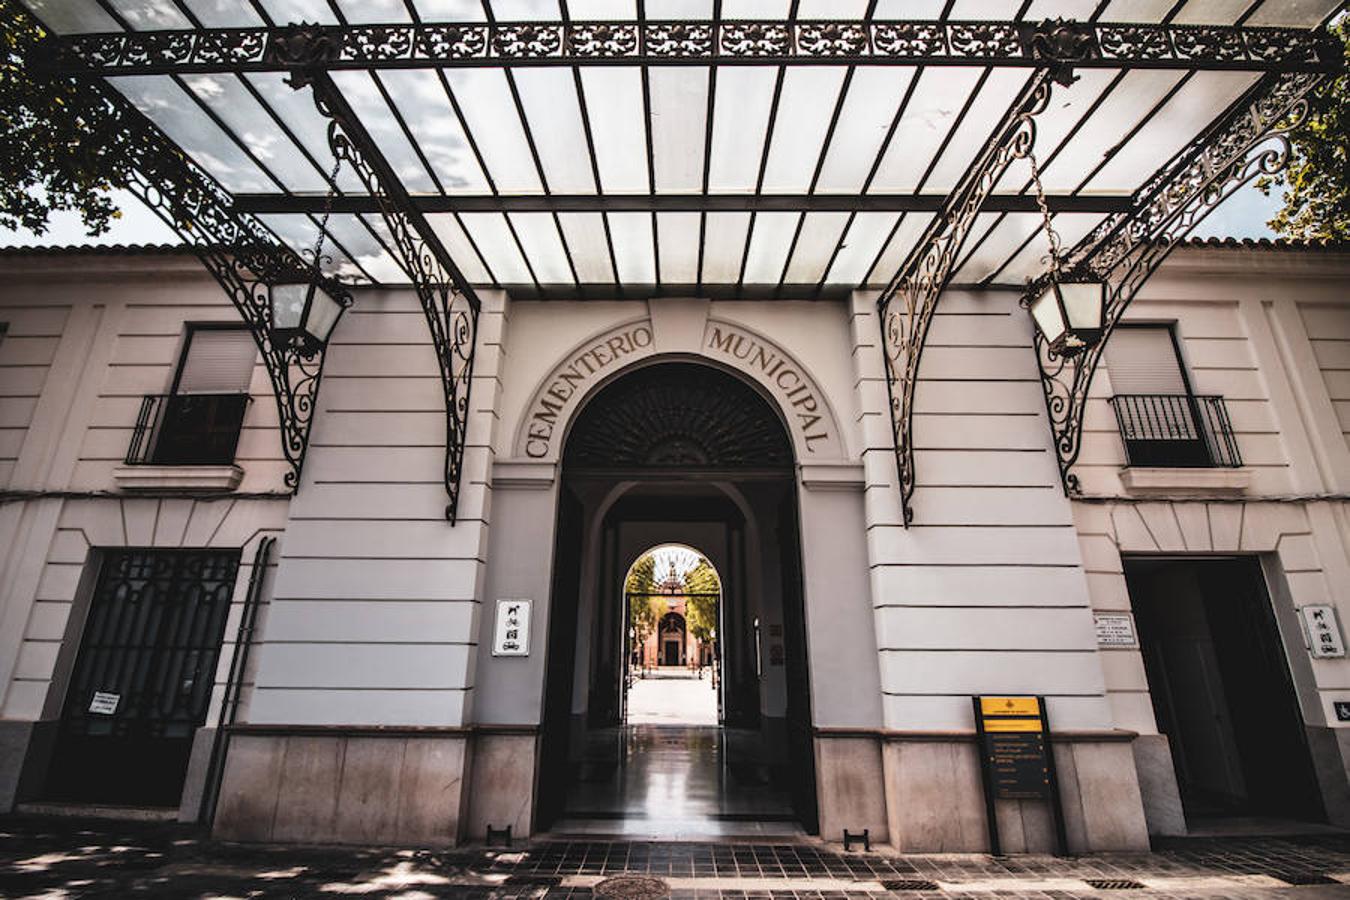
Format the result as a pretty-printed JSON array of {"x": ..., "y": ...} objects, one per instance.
[
  {"x": 55, "y": 153},
  {"x": 643, "y": 611},
  {"x": 701, "y": 611},
  {"x": 1317, "y": 182}
]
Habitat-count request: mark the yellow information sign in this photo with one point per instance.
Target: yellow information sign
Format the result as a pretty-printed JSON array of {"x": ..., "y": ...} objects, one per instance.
[
  {"x": 1010, "y": 706},
  {"x": 993, "y": 725}
]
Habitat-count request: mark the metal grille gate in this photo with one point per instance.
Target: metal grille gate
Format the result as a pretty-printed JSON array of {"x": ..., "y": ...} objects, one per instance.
[{"x": 143, "y": 675}]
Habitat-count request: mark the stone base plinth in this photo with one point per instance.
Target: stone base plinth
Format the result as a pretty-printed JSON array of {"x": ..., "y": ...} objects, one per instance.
[
  {"x": 339, "y": 786},
  {"x": 935, "y": 798},
  {"x": 502, "y": 786},
  {"x": 848, "y": 780}
]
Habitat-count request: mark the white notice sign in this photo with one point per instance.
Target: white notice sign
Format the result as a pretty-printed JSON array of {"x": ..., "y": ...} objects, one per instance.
[
  {"x": 1115, "y": 630},
  {"x": 1324, "y": 634},
  {"x": 104, "y": 704},
  {"x": 512, "y": 634}
]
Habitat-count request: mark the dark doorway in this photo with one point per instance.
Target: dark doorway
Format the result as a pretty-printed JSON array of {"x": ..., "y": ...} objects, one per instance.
[
  {"x": 143, "y": 676},
  {"x": 671, "y": 633},
  {"x": 686, "y": 454},
  {"x": 1221, "y": 688}
]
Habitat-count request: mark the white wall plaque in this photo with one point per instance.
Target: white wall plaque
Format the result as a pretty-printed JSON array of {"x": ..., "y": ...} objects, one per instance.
[
  {"x": 1324, "y": 633},
  {"x": 1115, "y": 630},
  {"x": 512, "y": 634},
  {"x": 104, "y": 703}
]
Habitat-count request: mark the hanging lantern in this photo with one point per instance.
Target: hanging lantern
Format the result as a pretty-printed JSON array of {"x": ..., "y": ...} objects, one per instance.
[
  {"x": 303, "y": 312},
  {"x": 1069, "y": 313},
  {"x": 304, "y": 308},
  {"x": 1068, "y": 310}
]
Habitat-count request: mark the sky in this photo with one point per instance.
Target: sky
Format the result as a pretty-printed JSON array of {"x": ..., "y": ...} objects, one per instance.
[{"x": 1243, "y": 215}]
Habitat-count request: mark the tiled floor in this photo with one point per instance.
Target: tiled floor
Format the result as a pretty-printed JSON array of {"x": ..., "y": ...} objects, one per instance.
[
  {"x": 58, "y": 858},
  {"x": 676, "y": 781}
]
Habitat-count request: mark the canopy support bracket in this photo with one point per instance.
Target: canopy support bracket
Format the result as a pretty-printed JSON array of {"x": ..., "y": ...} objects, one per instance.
[
  {"x": 905, "y": 308},
  {"x": 450, "y": 304},
  {"x": 1127, "y": 248},
  {"x": 239, "y": 252}
]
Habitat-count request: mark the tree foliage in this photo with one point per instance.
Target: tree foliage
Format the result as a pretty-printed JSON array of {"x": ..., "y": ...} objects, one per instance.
[
  {"x": 701, "y": 611},
  {"x": 643, "y": 611},
  {"x": 54, "y": 154},
  {"x": 1317, "y": 182}
]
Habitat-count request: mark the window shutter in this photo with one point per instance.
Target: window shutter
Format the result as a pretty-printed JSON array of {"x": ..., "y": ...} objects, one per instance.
[
  {"x": 1143, "y": 360},
  {"x": 219, "y": 361}
]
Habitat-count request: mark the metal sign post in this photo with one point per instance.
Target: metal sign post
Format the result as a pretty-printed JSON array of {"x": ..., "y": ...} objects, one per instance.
[{"x": 1016, "y": 760}]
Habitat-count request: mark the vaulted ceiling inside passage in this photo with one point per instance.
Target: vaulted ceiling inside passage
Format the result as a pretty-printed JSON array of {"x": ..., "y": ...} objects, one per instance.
[{"x": 783, "y": 167}]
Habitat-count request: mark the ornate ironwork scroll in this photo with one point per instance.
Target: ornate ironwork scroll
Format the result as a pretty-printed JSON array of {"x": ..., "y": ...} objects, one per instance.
[
  {"x": 447, "y": 299},
  {"x": 700, "y": 42},
  {"x": 1127, "y": 248},
  {"x": 238, "y": 251},
  {"x": 907, "y": 304}
]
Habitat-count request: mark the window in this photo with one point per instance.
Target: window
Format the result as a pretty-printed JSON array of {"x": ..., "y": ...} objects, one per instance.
[
  {"x": 1162, "y": 421},
  {"x": 199, "y": 420}
]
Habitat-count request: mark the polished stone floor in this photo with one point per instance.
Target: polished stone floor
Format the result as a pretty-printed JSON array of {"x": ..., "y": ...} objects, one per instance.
[
  {"x": 672, "y": 696},
  {"x": 676, "y": 782}
]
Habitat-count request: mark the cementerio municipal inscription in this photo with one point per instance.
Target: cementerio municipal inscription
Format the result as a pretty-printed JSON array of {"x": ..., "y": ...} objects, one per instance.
[
  {"x": 794, "y": 391},
  {"x": 796, "y": 394},
  {"x": 575, "y": 375}
]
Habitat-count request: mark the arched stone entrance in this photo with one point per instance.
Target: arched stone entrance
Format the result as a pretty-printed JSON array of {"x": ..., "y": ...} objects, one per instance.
[{"x": 678, "y": 452}]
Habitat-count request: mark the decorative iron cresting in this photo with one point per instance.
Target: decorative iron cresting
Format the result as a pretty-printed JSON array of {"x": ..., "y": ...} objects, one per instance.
[
  {"x": 696, "y": 42},
  {"x": 448, "y": 301},
  {"x": 239, "y": 252},
  {"x": 907, "y": 304},
  {"x": 1127, "y": 248}
]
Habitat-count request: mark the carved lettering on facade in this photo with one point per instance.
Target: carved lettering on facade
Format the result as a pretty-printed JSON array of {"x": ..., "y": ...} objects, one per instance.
[
  {"x": 796, "y": 394},
  {"x": 570, "y": 378}
]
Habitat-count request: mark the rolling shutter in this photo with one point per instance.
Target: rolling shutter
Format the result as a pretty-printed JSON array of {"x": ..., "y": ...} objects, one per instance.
[
  {"x": 218, "y": 361},
  {"x": 1143, "y": 360}
]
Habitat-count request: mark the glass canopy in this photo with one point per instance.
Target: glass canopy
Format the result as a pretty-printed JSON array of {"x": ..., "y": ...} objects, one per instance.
[{"x": 569, "y": 176}]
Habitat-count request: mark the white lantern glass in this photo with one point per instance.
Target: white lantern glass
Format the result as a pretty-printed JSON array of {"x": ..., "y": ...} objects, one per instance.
[
  {"x": 1083, "y": 302},
  {"x": 1048, "y": 315},
  {"x": 323, "y": 315},
  {"x": 288, "y": 305}
]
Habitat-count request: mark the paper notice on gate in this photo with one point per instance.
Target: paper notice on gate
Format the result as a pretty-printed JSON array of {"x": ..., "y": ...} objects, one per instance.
[{"x": 104, "y": 704}]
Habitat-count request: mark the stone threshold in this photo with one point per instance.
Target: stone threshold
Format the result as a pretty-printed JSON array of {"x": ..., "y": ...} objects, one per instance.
[{"x": 100, "y": 811}]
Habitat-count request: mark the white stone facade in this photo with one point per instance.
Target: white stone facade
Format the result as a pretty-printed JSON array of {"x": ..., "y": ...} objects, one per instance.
[{"x": 369, "y": 677}]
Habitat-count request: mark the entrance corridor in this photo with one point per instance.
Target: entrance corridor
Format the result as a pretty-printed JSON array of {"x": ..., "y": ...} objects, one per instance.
[{"x": 674, "y": 782}]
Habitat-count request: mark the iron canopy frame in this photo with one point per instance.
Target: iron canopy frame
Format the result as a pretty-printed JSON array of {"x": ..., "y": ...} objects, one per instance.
[{"x": 1138, "y": 230}]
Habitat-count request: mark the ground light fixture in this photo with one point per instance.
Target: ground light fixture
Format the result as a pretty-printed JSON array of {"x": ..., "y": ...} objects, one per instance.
[{"x": 1068, "y": 309}]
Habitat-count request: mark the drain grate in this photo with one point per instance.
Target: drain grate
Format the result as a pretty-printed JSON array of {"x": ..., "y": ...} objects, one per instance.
[
  {"x": 1303, "y": 878},
  {"x": 632, "y": 887},
  {"x": 909, "y": 884},
  {"x": 1114, "y": 884}
]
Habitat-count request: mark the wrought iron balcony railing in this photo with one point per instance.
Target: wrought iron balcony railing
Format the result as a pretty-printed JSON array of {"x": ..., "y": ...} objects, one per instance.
[
  {"x": 1176, "y": 430},
  {"x": 187, "y": 429}
]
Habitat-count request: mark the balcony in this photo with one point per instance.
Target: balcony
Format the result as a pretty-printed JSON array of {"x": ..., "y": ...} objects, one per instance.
[
  {"x": 185, "y": 441},
  {"x": 1178, "y": 443}
]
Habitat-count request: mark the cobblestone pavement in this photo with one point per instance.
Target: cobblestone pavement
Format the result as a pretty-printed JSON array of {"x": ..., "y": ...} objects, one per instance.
[{"x": 64, "y": 858}]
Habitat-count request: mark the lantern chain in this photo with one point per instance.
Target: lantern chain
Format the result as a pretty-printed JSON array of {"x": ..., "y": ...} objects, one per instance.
[
  {"x": 327, "y": 214},
  {"x": 1052, "y": 237}
]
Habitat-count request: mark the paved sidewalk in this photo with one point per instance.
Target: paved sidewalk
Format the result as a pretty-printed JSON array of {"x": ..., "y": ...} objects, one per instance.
[
  {"x": 672, "y": 696},
  {"x": 58, "y": 858}
]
